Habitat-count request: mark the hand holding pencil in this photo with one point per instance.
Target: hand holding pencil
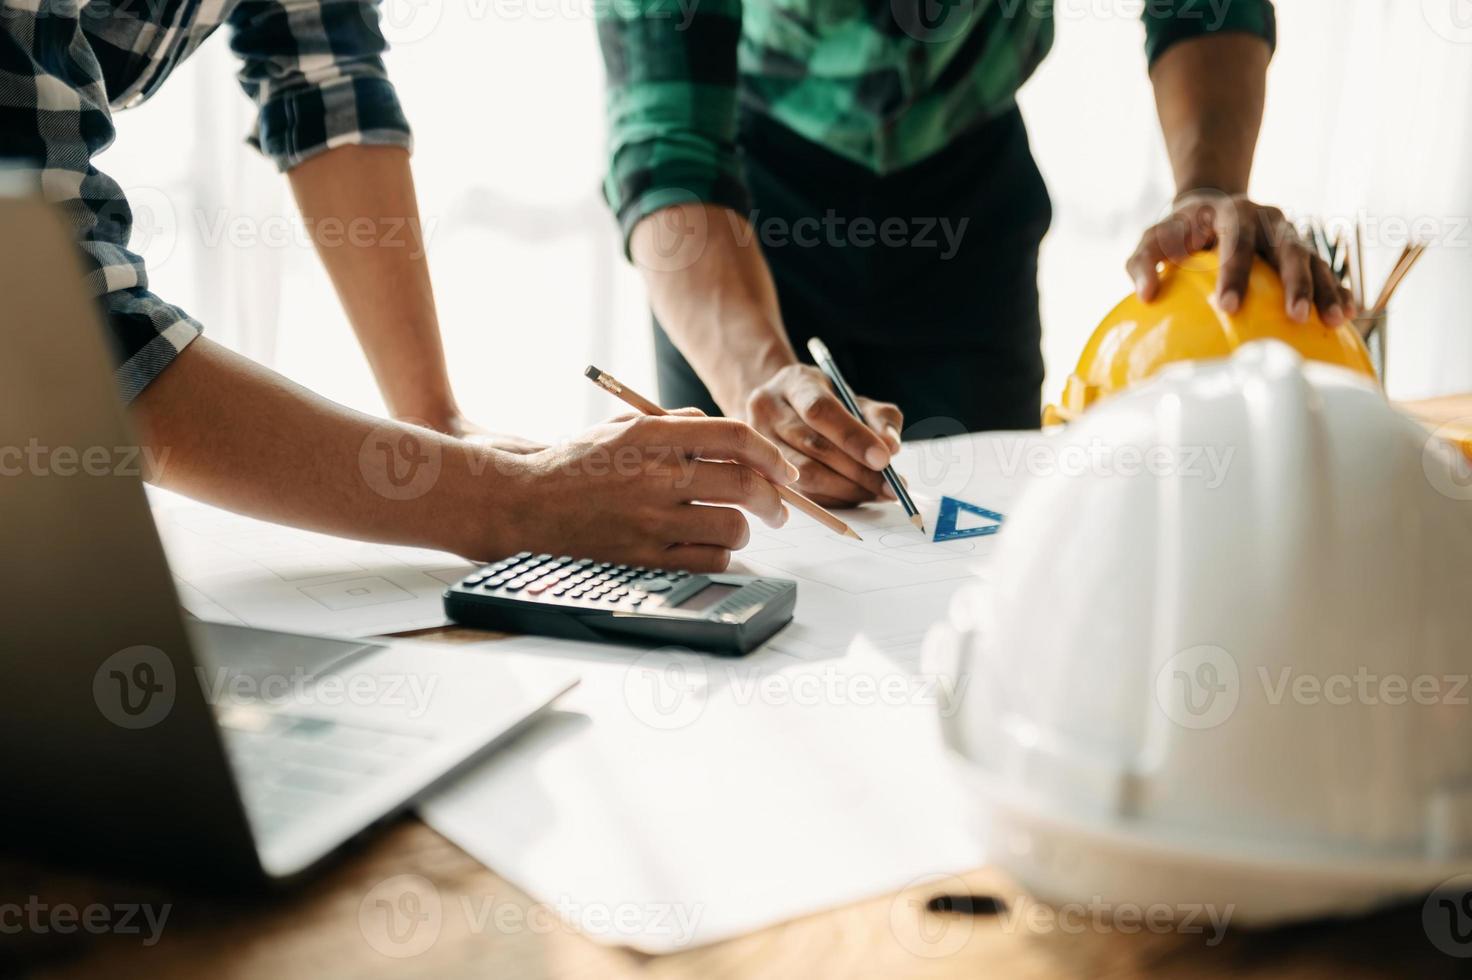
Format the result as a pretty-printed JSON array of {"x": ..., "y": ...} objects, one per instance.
[
  {"x": 841, "y": 456},
  {"x": 641, "y": 404}
]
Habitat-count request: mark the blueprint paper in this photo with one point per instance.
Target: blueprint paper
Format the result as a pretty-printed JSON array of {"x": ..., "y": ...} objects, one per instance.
[
  {"x": 681, "y": 799},
  {"x": 234, "y": 569}
]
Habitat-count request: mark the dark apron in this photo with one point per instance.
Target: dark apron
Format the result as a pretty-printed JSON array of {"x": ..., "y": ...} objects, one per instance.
[{"x": 922, "y": 282}]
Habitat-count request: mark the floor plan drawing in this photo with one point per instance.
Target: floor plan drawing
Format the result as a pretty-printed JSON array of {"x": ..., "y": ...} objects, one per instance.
[
  {"x": 889, "y": 588},
  {"x": 235, "y": 569}
]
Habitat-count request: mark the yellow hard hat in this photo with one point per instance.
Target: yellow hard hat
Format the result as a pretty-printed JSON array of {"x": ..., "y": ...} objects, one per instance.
[{"x": 1183, "y": 323}]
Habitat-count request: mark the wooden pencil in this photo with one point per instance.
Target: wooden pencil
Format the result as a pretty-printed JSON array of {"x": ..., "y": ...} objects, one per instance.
[
  {"x": 639, "y": 403},
  {"x": 1408, "y": 259},
  {"x": 1359, "y": 258}
]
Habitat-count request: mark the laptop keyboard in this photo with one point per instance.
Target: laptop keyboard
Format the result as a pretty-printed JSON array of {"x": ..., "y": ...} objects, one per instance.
[{"x": 288, "y": 765}]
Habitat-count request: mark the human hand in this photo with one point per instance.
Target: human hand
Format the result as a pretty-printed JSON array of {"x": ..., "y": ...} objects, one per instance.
[
  {"x": 1244, "y": 230},
  {"x": 838, "y": 458},
  {"x": 645, "y": 490},
  {"x": 452, "y": 423},
  {"x": 462, "y": 428}
]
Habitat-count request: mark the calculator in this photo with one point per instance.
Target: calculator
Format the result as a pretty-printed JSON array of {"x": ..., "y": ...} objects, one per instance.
[{"x": 583, "y": 599}]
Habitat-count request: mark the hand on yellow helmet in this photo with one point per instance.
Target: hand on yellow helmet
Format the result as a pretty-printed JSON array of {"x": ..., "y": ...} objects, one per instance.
[{"x": 1244, "y": 231}]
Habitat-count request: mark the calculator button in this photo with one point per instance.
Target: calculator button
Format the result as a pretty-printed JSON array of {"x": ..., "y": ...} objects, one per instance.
[
  {"x": 658, "y": 585},
  {"x": 559, "y": 590},
  {"x": 522, "y": 555},
  {"x": 585, "y": 562}
]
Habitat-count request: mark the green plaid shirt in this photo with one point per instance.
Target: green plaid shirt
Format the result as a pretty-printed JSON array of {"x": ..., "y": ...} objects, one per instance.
[{"x": 885, "y": 83}]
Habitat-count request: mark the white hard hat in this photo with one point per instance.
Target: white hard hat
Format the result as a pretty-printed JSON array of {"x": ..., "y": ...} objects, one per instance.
[{"x": 1226, "y": 658}]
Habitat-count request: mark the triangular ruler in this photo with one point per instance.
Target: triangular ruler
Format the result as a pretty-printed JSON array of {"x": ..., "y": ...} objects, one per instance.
[{"x": 958, "y": 520}]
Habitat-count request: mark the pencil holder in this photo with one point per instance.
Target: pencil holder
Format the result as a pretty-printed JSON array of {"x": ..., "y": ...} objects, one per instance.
[{"x": 1372, "y": 329}]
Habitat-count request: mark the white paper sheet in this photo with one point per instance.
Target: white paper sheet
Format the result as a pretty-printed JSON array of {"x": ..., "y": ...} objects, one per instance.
[
  {"x": 681, "y": 799},
  {"x": 890, "y": 587},
  {"x": 233, "y": 569},
  {"x": 677, "y": 800}
]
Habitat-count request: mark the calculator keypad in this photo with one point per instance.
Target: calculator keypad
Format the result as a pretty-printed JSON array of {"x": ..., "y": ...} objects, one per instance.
[{"x": 580, "y": 581}]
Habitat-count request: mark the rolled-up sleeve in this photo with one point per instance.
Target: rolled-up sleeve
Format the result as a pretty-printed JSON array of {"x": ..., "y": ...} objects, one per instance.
[
  {"x": 1168, "y": 22},
  {"x": 671, "y": 106},
  {"x": 54, "y": 118},
  {"x": 315, "y": 70}
]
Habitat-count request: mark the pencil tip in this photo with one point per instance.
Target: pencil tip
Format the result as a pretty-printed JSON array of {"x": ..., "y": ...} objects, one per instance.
[
  {"x": 850, "y": 532},
  {"x": 919, "y": 522}
]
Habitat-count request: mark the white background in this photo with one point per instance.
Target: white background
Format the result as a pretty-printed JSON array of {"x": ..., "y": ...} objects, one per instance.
[{"x": 1369, "y": 113}]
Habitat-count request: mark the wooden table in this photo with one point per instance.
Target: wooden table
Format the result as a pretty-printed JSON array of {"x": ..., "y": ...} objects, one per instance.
[{"x": 488, "y": 928}]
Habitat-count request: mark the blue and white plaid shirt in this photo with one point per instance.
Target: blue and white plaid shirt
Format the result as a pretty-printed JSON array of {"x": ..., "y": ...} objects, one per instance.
[{"x": 313, "y": 67}]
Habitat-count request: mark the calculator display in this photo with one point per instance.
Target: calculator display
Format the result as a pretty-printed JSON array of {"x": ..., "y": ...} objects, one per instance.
[{"x": 709, "y": 596}]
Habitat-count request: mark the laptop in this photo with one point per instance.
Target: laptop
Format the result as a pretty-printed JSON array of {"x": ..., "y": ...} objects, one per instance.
[{"x": 133, "y": 737}]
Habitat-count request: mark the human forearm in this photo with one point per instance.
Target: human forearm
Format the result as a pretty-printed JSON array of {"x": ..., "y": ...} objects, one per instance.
[
  {"x": 642, "y": 491},
  {"x": 239, "y": 436},
  {"x": 360, "y": 205},
  {"x": 1209, "y": 92},
  {"x": 712, "y": 291}
]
